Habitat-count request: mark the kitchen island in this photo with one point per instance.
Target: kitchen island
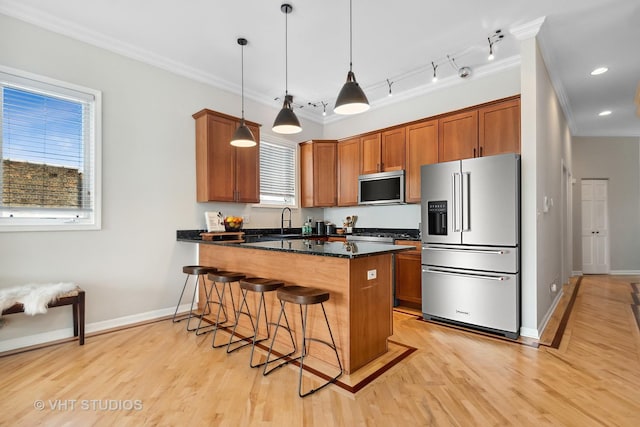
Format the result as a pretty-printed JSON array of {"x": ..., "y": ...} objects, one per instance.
[{"x": 357, "y": 276}]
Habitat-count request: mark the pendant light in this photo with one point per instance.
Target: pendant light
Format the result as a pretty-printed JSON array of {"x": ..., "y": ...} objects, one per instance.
[
  {"x": 351, "y": 99},
  {"x": 286, "y": 121},
  {"x": 243, "y": 137}
]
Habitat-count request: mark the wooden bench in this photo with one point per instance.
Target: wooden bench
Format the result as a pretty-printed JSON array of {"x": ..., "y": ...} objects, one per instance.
[{"x": 74, "y": 298}]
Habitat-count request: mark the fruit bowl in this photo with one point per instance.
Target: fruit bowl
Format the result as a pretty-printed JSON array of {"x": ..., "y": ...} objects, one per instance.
[{"x": 233, "y": 223}]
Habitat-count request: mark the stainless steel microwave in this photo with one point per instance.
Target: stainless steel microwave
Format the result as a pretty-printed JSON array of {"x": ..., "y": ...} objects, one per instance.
[{"x": 381, "y": 188}]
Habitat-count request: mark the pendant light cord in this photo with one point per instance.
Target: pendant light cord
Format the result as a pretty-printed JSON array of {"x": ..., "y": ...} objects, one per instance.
[
  {"x": 286, "y": 53},
  {"x": 350, "y": 35},
  {"x": 242, "y": 77}
]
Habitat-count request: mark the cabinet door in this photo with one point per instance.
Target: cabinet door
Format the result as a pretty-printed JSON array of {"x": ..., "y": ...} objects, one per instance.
[
  {"x": 248, "y": 171},
  {"x": 393, "y": 150},
  {"x": 408, "y": 280},
  {"x": 458, "y": 136},
  {"x": 324, "y": 174},
  {"x": 422, "y": 149},
  {"x": 370, "y": 154},
  {"x": 499, "y": 128},
  {"x": 348, "y": 169},
  {"x": 221, "y": 160},
  {"x": 306, "y": 175}
]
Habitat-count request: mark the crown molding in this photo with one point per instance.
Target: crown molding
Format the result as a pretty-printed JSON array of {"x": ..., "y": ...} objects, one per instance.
[{"x": 528, "y": 29}]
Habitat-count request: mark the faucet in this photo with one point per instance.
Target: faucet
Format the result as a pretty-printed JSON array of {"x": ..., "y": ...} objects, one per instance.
[{"x": 282, "y": 219}]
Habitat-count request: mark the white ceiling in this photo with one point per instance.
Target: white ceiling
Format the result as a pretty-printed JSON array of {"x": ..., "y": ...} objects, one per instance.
[{"x": 391, "y": 40}]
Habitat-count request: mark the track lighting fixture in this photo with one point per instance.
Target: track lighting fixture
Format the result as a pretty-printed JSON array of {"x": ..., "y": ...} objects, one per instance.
[
  {"x": 351, "y": 99},
  {"x": 389, "y": 83},
  {"x": 324, "y": 106},
  {"x": 493, "y": 39},
  {"x": 435, "y": 76},
  {"x": 243, "y": 137}
]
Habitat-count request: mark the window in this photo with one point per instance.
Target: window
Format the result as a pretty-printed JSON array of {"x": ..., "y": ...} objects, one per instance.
[
  {"x": 277, "y": 174},
  {"x": 49, "y": 141}
]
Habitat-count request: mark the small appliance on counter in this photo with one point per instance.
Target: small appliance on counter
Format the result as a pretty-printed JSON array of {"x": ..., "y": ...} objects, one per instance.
[{"x": 321, "y": 228}]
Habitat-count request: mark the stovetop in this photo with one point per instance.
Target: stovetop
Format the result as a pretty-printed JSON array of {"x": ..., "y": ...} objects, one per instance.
[{"x": 379, "y": 236}]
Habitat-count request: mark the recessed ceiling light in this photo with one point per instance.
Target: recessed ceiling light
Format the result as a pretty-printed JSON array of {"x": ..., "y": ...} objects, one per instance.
[
  {"x": 599, "y": 70},
  {"x": 605, "y": 113}
]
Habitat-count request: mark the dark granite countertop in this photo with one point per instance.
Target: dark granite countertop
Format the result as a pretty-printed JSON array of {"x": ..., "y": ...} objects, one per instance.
[{"x": 309, "y": 246}]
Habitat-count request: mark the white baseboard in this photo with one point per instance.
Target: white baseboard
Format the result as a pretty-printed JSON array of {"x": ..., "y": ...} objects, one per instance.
[
  {"x": 547, "y": 316},
  {"x": 625, "y": 272},
  {"x": 529, "y": 332},
  {"x": 60, "y": 334},
  {"x": 576, "y": 273}
]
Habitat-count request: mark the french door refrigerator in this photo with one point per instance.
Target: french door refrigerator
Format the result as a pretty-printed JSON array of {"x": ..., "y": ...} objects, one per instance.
[{"x": 471, "y": 243}]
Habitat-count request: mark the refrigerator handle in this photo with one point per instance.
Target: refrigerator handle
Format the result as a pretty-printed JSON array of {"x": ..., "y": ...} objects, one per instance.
[
  {"x": 466, "y": 251},
  {"x": 473, "y": 276},
  {"x": 457, "y": 213},
  {"x": 466, "y": 178}
]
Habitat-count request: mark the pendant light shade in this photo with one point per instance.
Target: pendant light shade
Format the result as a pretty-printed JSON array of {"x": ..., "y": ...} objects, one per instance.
[
  {"x": 286, "y": 121},
  {"x": 243, "y": 137},
  {"x": 351, "y": 99}
]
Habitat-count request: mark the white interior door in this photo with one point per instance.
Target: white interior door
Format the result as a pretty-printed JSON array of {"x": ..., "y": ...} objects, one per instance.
[{"x": 595, "y": 227}]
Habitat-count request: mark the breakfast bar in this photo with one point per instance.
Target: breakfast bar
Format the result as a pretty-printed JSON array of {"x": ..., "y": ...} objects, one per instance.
[{"x": 357, "y": 276}]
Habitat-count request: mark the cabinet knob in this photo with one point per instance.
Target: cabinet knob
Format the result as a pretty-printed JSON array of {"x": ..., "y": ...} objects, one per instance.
[
  {"x": 480, "y": 151},
  {"x": 474, "y": 152}
]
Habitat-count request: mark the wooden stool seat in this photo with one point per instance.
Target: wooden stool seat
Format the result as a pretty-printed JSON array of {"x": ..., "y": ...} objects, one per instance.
[
  {"x": 260, "y": 284},
  {"x": 302, "y": 295},
  {"x": 226, "y": 276},
  {"x": 198, "y": 269}
]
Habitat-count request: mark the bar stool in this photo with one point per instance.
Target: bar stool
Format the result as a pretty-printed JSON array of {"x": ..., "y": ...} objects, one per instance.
[
  {"x": 224, "y": 278},
  {"x": 259, "y": 285},
  {"x": 304, "y": 296},
  {"x": 200, "y": 272}
]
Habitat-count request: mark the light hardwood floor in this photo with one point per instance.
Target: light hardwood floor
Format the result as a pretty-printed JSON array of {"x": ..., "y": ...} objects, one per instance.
[{"x": 454, "y": 378}]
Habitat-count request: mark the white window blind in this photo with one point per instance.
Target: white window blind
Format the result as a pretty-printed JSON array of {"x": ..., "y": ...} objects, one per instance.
[
  {"x": 48, "y": 144},
  {"x": 277, "y": 174}
]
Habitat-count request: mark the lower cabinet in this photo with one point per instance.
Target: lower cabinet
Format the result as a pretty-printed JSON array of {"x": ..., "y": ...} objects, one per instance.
[{"x": 408, "y": 275}]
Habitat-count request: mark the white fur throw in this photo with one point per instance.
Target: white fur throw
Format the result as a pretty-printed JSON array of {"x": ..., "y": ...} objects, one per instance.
[{"x": 34, "y": 297}]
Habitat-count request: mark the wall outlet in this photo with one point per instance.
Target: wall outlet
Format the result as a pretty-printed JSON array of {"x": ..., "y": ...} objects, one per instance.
[
  {"x": 553, "y": 288},
  {"x": 372, "y": 274},
  {"x": 310, "y": 219},
  {"x": 247, "y": 219}
]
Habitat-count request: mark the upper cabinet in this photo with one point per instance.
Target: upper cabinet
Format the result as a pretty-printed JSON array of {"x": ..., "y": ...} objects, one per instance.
[
  {"x": 348, "y": 171},
  {"x": 225, "y": 173},
  {"x": 499, "y": 128},
  {"x": 458, "y": 136},
  {"x": 422, "y": 149},
  {"x": 382, "y": 151},
  {"x": 318, "y": 173},
  {"x": 484, "y": 131}
]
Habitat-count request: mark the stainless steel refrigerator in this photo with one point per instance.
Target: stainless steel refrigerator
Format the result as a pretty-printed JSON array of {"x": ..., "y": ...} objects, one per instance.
[{"x": 471, "y": 243}]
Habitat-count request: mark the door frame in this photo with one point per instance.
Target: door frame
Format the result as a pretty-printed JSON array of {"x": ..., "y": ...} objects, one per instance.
[{"x": 608, "y": 228}]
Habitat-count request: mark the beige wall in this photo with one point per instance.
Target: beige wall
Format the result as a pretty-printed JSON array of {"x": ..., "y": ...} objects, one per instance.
[{"x": 618, "y": 160}]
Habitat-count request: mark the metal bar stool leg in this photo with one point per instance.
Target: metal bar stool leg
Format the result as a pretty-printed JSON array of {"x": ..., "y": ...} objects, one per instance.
[
  {"x": 180, "y": 299},
  {"x": 266, "y": 372},
  {"x": 304, "y": 351},
  {"x": 254, "y": 327},
  {"x": 207, "y": 310}
]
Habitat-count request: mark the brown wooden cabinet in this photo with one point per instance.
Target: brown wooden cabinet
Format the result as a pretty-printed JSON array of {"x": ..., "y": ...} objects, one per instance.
[
  {"x": 225, "y": 173},
  {"x": 318, "y": 177},
  {"x": 458, "y": 136},
  {"x": 422, "y": 149},
  {"x": 336, "y": 239},
  {"x": 484, "y": 131},
  {"x": 348, "y": 171},
  {"x": 383, "y": 151},
  {"x": 408, "y": 280},
  {"x": 499, "y": 128}
]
